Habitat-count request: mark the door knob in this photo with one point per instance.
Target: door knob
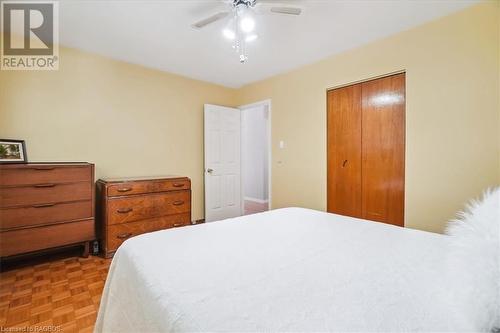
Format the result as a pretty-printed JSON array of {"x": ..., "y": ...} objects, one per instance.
[{"x": 210, "y": 170}]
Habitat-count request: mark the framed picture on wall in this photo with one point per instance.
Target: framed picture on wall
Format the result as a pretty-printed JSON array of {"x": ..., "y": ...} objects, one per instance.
[{"x": 12, "y": 151}]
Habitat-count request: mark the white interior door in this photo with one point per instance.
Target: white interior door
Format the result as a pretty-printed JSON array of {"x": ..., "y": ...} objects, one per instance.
[{"x": 222, "y": 162}]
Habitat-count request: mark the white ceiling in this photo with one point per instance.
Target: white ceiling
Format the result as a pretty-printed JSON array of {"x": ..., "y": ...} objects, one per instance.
[{"x": 158, "y": 34}]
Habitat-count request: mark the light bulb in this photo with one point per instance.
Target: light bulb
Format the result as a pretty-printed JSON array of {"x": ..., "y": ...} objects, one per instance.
[
  {"x": 247, "y": 24},
  {"x": 251, "y": 38},
  {"x": 228, "y": 33}
]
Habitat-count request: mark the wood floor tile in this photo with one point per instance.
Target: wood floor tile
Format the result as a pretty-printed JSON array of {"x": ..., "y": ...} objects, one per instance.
[
  {"x": 64, "y": 293},
  {"x": 41, "y": 317},
  {"x": 87, "y": 320},
  {"x": 41, "y": 308},
  {"x": 5, "y": 299},
  {"x": 16, "y": 316},
  {"x": 3, "y": 315},
  {"x": 20, "y": 301},
  {"x": 62, "y": 302}
]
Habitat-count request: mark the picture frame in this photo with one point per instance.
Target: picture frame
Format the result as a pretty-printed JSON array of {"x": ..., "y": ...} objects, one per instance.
[{"x": 12, "y": 151}]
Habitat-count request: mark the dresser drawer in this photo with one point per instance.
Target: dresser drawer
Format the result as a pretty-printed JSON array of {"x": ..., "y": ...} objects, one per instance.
[
  {"x": 40, "y": 174},
  {"x": 45, "y": 193},
  {"x": 44, "y": 213},
  {"x": 118, "y": 233},
  {"x": 33, "y": 239},
  {"x": 138, "y": 187},
  {"x": 121, "y": 210}
]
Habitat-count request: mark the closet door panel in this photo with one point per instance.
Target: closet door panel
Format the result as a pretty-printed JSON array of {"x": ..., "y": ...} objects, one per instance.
[
  {"x": 383, "y": 149},
  {"x": 344, "y": 151}
]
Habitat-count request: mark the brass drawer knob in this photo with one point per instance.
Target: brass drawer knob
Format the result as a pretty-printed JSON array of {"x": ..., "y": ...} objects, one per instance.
[
  {"x": 178, "y": 202},
  {"x": 178, "y": 225},
  {"x": 125, "y": 189},
  {"x": 178, "y": 185},
  {"x": 124, "y": 236}
]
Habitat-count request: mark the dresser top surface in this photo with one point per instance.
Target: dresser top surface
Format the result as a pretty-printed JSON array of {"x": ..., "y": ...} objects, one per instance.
[
  {"x": 139, "y": 179},
  {"x": 42, "y": 164}
]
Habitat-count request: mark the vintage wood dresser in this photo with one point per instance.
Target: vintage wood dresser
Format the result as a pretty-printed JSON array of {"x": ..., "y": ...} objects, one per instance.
[
  {"x": 45, "y": 205},
  {"x": 129, "y": 207}
]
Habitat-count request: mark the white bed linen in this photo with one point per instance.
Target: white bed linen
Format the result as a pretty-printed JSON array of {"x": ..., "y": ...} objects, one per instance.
[{"x": 289, "y": 269}]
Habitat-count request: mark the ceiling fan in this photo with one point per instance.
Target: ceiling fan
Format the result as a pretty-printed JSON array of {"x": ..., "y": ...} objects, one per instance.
[{"x": 240, "y": 27}]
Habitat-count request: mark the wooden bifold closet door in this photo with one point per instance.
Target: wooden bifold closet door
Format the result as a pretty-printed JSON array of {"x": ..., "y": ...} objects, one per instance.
[{"x": 366, "y": 147}]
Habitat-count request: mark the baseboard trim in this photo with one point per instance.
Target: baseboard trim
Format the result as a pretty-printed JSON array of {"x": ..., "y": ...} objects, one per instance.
[{"x": 198, "y": 221}]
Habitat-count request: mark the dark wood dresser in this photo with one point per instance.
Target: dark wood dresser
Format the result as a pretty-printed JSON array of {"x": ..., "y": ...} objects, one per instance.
[
  {"x": 45, "y": 205},
  {"x": 129, "y": 207}
]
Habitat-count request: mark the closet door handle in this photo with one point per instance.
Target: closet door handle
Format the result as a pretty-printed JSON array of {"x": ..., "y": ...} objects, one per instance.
[
  {"x": 44, "y": 205},
  {"x": 44, "y": 185},
  {"x": 344, "y": 163}
]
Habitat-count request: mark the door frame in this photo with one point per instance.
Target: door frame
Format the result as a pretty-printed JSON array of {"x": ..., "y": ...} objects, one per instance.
[
  {"x": 371, "y": 78},
  {"x": 266, "y": 102},
  {"x": 205, "y": 164},
  {"x": 405, "y": 152}
]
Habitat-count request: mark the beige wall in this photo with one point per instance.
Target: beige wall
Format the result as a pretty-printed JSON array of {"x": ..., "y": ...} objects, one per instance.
[
  {"x": 133, "y": 121},
  {"x": 452, "y": 142},
  {"x": 128, "y": 120}
]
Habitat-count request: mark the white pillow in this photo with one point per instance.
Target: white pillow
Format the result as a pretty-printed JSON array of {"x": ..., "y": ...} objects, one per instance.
[{"x": 474, "y": 262}]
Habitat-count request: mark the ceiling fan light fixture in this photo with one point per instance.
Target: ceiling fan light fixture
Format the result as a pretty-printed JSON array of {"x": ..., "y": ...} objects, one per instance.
[
  {"x": 247, "y": 24},
  {"x": 241, "y": 26},
  {"x": 246, "y": 20},
  {"x": 251, "y": 38},
  {"x": 229, "y": 34}
]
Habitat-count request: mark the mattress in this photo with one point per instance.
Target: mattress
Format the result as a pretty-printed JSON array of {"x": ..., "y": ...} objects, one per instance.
[{"x": 289, "y": 269}]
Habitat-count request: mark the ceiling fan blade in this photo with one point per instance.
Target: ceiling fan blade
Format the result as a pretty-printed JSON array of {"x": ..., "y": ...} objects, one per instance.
[
  {"x": 209, "y": 20},
  {"x": 286, "y": 10}
]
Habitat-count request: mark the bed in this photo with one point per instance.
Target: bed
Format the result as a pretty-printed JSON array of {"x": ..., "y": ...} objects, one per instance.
[{"x": 289, "y": 269}]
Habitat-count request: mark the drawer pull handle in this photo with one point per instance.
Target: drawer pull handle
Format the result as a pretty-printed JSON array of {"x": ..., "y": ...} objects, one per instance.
[
  {"x": 178, "y": 225},
  {"x": 125, "y": 189},
  {"x": 178, "y": 202},
  {"x": 124, "y": 236},
  {"x": 124, "y": 210},
  {"x": 44, "y": 169},
  {"x": 44, "y": 185},
  {"x": 178, "y": 185},
  {"x": 44, "y": 205}
]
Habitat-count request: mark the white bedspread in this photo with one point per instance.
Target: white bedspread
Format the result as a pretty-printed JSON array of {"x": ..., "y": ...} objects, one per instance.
[{"x": 289, "y": 269}]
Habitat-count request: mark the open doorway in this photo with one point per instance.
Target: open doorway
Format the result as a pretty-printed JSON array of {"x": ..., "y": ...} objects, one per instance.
[{"x": 255, "y": 157}]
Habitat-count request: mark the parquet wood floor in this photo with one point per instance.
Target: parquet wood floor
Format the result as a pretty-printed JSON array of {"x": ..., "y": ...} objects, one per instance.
[{"x": 62, "y": 295}]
